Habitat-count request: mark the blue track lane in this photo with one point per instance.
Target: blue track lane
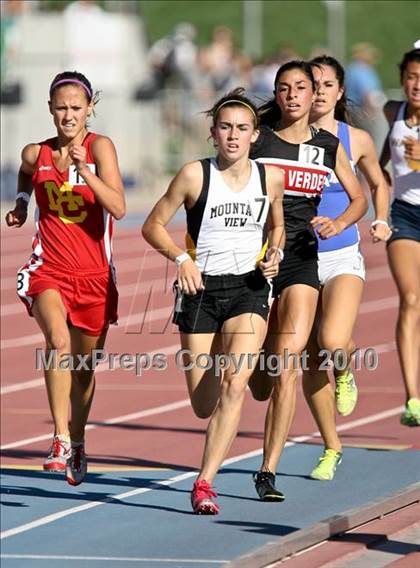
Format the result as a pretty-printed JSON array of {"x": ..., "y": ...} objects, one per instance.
[{"x": 159, "y": 524}]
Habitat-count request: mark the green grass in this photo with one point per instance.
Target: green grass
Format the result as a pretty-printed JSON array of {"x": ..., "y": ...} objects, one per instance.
[{"x": 392, "y": 26}]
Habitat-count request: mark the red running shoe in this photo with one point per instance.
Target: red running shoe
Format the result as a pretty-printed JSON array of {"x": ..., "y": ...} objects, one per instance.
[
  {"x": 201, "y": 498},
  {"x": 60, "y": 452}
]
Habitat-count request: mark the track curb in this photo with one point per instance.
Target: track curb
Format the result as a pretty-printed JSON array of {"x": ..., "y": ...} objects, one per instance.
[{"x": 332, "y": 526}]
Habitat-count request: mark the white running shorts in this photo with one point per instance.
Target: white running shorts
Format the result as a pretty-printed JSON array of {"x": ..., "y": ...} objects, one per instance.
[{"x": 347, "y": 260}]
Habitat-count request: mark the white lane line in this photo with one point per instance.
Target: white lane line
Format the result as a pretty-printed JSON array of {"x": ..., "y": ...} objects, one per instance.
[
  {"x": 113, "y": 559},
  {"x": 172, "y": 480},
  {"x": 22, "y": 341},
  {"x": 34, "y": 383},
  {"x": 116, "y": 420},
  {"x": 16, "y": 387},
  {"x": 141, "y": 414},
  {"x": 381, "y": 348},
  {"x": 145, "y": 318}
]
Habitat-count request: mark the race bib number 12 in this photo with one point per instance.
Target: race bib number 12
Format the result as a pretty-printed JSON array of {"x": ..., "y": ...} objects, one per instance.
[{"x": 311, "y": 154}]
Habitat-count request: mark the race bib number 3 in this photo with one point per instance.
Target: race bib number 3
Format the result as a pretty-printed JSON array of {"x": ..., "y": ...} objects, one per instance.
[
  {"x": 311, "y": 154},
  {"x": 75, "y": 178}
]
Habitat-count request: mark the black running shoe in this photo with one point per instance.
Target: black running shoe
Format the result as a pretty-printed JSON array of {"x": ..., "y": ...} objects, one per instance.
[{"x": 265, "y": 486}]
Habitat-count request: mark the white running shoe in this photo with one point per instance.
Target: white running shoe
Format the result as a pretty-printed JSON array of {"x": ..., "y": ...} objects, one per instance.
[{"x": 60, "y": 452}]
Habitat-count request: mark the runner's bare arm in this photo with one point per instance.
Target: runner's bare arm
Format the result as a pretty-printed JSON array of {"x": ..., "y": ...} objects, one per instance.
[
  {"x": 390, "y": 112},
  {"x": 184, "y": 189},
  {"x": 17, "y": 217},
  {"x": 107, "y": 185},
  {"x": 369, "y": 166},
  {"x": 276, "y": 235}
]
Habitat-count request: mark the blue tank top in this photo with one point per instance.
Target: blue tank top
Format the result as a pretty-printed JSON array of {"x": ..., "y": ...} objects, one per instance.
[{"x": 335, "y": 200}]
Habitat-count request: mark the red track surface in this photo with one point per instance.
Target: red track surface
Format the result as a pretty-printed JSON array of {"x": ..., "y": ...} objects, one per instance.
[{"x": 175, "y": 437}]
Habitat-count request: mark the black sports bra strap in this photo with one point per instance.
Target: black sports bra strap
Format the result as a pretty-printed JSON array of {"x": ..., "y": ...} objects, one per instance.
[{"x": 261, "y": 170}]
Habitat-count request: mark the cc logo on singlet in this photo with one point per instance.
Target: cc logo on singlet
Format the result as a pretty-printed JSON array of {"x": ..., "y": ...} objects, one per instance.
[{"x": 67, "y": 204}]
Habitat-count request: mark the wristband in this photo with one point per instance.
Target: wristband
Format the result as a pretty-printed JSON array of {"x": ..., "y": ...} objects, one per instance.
[
  {"x": 379, "y": 222},
  {"x": 279, "y": 250},
  {"x": 23, "y": 195},
  {"x": 182, "y": 258}
]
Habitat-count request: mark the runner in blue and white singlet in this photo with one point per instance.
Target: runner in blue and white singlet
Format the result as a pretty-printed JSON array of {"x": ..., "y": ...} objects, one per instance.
[
  {"x": 341, "y": 266},
  {"x": 339, "y": 254},
  {"x": 335, "y": 200}
]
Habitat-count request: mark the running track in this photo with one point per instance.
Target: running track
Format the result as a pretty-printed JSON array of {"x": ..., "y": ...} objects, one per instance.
[{"x": 144, "y": 441}]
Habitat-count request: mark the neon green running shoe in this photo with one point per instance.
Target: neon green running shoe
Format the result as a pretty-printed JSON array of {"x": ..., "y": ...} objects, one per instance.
[
  {"x": 345, "y": 393},
  {"x": 411, "y": 414},
  {"x": 328, "y": 462}
]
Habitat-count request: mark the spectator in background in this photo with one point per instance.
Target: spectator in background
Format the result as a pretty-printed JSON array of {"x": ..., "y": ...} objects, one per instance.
[
  {"x": 172, "y": 58},
  {"x": 222, "y": 64},
  {"x": 94, "y": 42},
  {"x": 264, "y": 73},
  {"x": 11, "y": 41},
  {"x": 364, "y": 90}
]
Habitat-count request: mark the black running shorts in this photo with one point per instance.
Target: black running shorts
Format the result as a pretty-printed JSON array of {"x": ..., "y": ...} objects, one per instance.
[
  {"x": 300, "y": 263},
  {"x": 223, "y": 297}
]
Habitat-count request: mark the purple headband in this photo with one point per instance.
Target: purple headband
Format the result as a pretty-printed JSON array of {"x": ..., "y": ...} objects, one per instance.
[{"x": 86, "y": 88}]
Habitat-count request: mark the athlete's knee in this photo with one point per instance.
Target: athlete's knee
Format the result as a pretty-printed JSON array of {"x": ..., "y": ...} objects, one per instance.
[
  {"x": 58, "y": 340},
  {"x": 233, "y": 388},
  {"x": 410, "y": 302},
  {"x": 332, "y": 342},
  {"x": 285, "y": 380}
]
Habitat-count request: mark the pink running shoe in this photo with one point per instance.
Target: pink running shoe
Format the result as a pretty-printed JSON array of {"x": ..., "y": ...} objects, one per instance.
[
  {"x": 76, "y": 465},
  {"x": 201, "y": 499},
  {"x": 60, "y": 452}
]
